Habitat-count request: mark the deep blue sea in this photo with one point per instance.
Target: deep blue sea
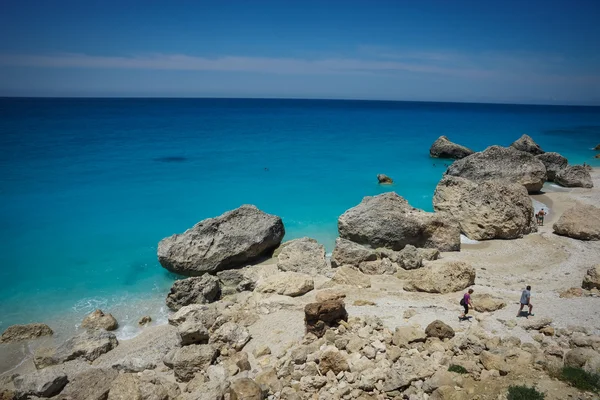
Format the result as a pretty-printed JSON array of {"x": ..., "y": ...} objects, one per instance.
[{"x": 89, "y": 186}]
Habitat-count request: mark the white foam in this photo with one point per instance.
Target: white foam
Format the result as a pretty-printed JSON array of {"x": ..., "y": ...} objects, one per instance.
[{"x": 466, "y": 240}]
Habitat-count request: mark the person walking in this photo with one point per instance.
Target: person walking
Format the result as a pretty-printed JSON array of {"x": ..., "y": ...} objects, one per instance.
[
  {"x": 466, "y": 303},
  {"x": 540, "y": 217},
  {"x": 525, "y": 300}
]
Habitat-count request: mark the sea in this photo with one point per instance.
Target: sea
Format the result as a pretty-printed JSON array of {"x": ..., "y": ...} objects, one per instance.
[{"x": 88, "y": 187}]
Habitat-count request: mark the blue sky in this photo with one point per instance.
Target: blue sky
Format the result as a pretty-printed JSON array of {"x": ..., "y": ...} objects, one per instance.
[{"x": 439, "y": 50}]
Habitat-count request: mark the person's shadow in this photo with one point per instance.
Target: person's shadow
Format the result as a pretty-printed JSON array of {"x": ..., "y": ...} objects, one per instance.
[
  {"x": 465, "y": 318},
  {"x": 524, "y": 314}
]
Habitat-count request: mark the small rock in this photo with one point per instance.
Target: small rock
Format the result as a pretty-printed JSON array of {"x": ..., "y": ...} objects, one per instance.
[
  {"x": 384, "y": 179},
  {"x": 360, "y": 303},
  {"x": 439, "y": 330},
  {"x": 591, "y": 279},
  {"x": 320, "y": 316},
  {"x": 145, "y": 320},
  {"x": 99, "y": 320}
]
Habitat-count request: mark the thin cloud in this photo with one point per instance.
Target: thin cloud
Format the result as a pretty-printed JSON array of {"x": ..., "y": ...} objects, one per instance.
[{"x": 235, "y": 63}]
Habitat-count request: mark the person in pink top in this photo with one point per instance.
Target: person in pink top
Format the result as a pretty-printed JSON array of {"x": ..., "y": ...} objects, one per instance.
[{"x": 466, "y": 303}]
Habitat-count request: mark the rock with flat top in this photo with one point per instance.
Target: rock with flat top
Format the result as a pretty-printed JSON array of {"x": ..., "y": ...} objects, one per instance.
[
  {"x": 387, "y": 220},
  {"x": 502, "y": 163},
  {"x": 88, "y": 345},
  {"x": 230, "y": 335},
  {"x": 441, "y": 276},
  {"x": 194, "y": 290},
  {"x": 486, "y": 210},
  {"x": 44, "y": 383},
  {"x": 232, "y": 240},
  {"x": 99, "y": 320},
  {"x": 245, "y": 389},
  {"x": 582, "y": 221},
  {"x": 574, "y": 176},
  {"x": 352, "y": 277},
  {"x": 286, "y": 283},
  {"x": 527, "y": 144},
  {"x": 404, "y": 335},
  {"x": 444, "y": 148},
  {"x": 487, "y": 303},
  {"x": 554, "y": 163},
  {"x": 16, "y": 333}
]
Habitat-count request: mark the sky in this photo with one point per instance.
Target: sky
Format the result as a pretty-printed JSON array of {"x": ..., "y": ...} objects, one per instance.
[{"x": 534, "y": 51}]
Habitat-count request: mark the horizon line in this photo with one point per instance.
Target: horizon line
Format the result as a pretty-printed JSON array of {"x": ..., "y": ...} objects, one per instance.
[{"x": 125, "y": 97}]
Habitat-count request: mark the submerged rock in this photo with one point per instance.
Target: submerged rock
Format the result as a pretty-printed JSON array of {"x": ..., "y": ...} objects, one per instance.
[
  {"x": 553, "y": 162},
  {"x": 582, "y": 221},
  {"x": 389, "y": 221},
  {"x": 229, "y": 241},
  {"x": 441, "y": 276},
  {"x": 574, "y": 176},
  {"x": 501, "y": 163},
  {"x": 15, "y": 333},
  {"x": 444, "y": 148},
  {"x": 194, "y": 290},
  {"x": 486, "y": 210},
  {"x": 99, "y": 320},
  {"x": 384, "y": 179},
  {"x": 302, "y": 255},
  {"x": 527, "y": 144}
]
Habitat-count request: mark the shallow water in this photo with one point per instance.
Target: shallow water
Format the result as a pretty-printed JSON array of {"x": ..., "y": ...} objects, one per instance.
[{"x": 89, "y": 186}]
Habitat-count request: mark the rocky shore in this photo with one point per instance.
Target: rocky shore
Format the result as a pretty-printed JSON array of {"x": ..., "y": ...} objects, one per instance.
[{"x": 260, "y": 319}]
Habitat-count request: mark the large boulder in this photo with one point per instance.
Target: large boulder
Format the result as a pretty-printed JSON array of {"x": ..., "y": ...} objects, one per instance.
[
  {"x": 194, "y": 290},
  {"x": 527, "y": 144},
  {"x": 591, "y": 279},
  {"x": 286, "y": 283},
  {"x": 88, "y": 345},
  {"x": 99, "y": 320},
  {"x": 441, "y": 276},
  {"x": 44, "y": 383},
  {"x": 444, "y": 148},
  {"x": 574, "y": 176},
  {"x": 229, "y": 241},
  {"x": 502, "y": 163},
  {"x": 387, "y": 220},
  {"x": 405, "y": 335},
  {"x": 582, "y": 221},
  {"x": 554, "y": 162},
  {"x": 302, "y": 255},
  {"x": 347, "y": 252},
  {"x": 486, "y": 210},
  {"x": 320, "y": 316},
  {"x": 16, "y": 333}
]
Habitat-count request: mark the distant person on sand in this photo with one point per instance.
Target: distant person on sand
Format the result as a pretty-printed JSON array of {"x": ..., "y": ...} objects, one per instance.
[
  {"x": 526, "y": 300},
  {"x": 540, "y": 217},
  {"x": 466, "y": 303}
]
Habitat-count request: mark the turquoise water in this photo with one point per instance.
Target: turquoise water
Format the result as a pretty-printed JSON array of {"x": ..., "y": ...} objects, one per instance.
[{"x": 89, "y": 186}]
